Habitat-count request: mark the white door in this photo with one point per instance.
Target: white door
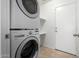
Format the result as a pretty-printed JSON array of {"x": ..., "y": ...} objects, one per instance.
[{"x": 66, "y": 27}]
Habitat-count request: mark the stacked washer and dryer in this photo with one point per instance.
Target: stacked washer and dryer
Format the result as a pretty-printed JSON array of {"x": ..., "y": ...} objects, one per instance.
[{"x": 24, "y": 29}]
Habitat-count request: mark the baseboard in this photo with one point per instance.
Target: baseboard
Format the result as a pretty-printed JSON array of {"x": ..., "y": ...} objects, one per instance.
[{"x": 66, "y": 52}]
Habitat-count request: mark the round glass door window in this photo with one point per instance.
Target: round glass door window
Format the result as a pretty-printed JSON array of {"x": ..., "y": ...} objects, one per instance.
[
  {"x": 28, "y": 7},
  {"x": 28, "y": 48}
]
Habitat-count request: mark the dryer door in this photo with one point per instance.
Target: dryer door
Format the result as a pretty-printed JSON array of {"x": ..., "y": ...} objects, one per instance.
[
  {"x": 28, "y": 7},
  {"x": 28, "y": 48}
]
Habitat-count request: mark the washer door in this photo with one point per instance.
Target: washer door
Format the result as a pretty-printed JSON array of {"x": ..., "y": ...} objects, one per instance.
[
  {"x": 28, "y": 7},
  {"x": 28, "y": 48}
]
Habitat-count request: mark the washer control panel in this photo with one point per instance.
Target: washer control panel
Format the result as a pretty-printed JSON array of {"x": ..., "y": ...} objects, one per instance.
[{"x": 22, "y": 32}]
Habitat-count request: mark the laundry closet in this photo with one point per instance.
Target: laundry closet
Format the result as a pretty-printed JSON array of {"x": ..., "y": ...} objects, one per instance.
[{"x": 51, "y": 25}]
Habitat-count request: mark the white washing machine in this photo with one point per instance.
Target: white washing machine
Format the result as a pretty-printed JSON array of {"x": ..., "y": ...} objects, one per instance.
[
  {"x": 25, "y": 44},
  {"x": 24, "y": 28}
]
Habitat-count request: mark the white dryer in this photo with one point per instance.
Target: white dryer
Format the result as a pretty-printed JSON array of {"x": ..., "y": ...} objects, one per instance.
[
  {"x": 25, "y": 44},
  {"x": 24, "y": 14}
]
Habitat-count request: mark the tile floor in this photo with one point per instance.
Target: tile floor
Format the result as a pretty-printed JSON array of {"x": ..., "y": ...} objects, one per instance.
[{"x": 50, "y": 53}]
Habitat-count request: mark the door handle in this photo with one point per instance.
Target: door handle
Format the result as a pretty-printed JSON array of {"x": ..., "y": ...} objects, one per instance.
[
  {"x": 76, "y": 35},
  {"x": 7, "y": 36}
]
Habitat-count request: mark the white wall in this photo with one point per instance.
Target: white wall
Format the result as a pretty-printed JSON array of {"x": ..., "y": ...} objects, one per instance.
[{"x": 47, "y": 11}]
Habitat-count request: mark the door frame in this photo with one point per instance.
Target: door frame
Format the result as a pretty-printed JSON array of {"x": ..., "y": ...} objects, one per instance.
[{"x": 5, "y": 17}]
